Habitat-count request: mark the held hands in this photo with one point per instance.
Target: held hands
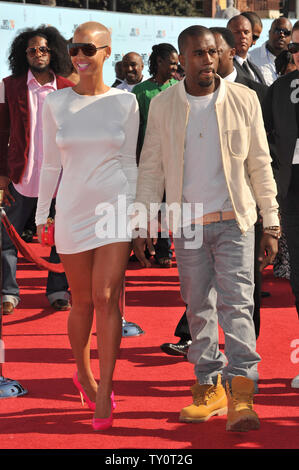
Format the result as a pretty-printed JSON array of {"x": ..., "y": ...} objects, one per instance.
[
  {"x": 139, "y": 245},
  {"x": 268, "y": 250}
]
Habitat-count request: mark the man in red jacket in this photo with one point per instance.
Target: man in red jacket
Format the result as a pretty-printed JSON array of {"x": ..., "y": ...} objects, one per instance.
[{"x": 37, "y": 59}]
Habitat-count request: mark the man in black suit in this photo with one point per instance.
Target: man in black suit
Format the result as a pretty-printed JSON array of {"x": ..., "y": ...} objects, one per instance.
[
  {"x": 225, "y": 43},
  {"x": 241, "y": 28},
  {"x": 228, "y": 67},
  {"x": 281, "y": 118}
]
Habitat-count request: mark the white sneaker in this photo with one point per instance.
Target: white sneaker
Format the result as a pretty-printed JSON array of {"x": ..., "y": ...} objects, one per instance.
[{"x": 295, "y": 382}]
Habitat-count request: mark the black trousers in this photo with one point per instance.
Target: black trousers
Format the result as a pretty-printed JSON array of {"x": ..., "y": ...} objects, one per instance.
[
  {"x": 182, "y": 329},
  {"x": 289, "y": 210},
  {"x": 19, "y": 213}
]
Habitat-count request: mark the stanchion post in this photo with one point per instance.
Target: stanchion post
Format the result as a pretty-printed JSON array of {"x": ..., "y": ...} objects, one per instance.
[
  {"x": 8, "y": 388},
  {"x": 128, "y": 328},
  {"x": 122, "y": 299}
]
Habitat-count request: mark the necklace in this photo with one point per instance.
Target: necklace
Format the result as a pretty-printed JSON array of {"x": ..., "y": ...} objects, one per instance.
[
  {"x": 204, "y": 106},
  {"x": 206, "y": 119}
]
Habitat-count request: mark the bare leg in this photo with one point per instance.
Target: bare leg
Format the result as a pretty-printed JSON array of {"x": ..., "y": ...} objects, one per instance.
[
  {"x": 110, "y": 263},
  {"x": 78, "y": 269}
]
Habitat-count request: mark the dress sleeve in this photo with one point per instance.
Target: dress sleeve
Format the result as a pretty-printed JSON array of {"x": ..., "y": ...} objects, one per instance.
[
  {"x": 51, "y": 166},
  {"x": 128, "y": 151}
]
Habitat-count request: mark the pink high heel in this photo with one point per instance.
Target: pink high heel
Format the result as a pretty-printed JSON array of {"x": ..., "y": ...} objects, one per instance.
[
  {"x": 91, "y": 404},
  {"x": 113, "y": 404},
  {"x": 100, "y": 424}
]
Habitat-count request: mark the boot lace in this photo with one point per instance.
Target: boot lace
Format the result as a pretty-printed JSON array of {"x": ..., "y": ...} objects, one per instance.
[
  {"x": 242, "y": 397},
  {"x": 203, "y": 394}
]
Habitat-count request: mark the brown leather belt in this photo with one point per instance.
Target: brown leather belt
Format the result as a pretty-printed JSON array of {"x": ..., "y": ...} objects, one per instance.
[{"x": 215, "y": 217}]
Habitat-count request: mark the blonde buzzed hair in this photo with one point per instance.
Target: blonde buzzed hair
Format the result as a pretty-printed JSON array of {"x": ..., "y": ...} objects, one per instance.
[{"x": 96, "y": 27}]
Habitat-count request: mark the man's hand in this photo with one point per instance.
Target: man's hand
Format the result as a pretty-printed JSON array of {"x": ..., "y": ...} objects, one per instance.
[
  {"x": 268, "y": 250},
  {"x": 139, "y": 246},
  {"x": 39, "y": 230},
  {"x": 7, "y": 197}
]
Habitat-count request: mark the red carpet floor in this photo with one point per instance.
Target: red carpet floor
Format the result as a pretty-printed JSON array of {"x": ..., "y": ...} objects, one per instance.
[{"x": 150, "y": 387}]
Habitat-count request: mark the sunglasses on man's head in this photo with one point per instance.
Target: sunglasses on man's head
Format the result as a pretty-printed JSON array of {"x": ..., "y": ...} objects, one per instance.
[
  {"x": 31, "y": 51},
  {"x": 293, "y": 47},
  {"x": 285, "y": 31},
  {"x": 88, "y": 49}
]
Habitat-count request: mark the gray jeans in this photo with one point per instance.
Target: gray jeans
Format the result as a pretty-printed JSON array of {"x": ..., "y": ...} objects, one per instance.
[{"x": 217, "y": 285}]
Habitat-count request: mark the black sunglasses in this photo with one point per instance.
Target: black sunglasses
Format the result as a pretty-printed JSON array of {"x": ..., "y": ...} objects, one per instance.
[
  {"x": 286, "y": 32},
  {"x": 255, "y": 37},
  {"x": 88, "y": 49},
  {"x": 31, "y": 51},
  {"x": 293, "y": 47}
]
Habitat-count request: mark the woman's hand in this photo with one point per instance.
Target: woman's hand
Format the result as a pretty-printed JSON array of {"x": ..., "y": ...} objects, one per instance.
[{"x": 7, "y": 198}]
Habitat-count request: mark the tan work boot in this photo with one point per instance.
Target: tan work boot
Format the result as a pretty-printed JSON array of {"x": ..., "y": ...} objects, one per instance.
[
  {"x": 241, "y": 415},
  {"x": 208, "y": 400}
]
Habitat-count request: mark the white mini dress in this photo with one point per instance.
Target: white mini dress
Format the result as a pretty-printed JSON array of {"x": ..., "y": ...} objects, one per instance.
[{"x": 89, "y": 145}]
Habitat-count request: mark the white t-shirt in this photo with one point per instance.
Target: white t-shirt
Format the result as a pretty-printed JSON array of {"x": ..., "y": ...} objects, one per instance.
[
  {"x": 265, "y": 61},
  {"x": 127, "y": 86},
  {"x": 204, "y": 180}
]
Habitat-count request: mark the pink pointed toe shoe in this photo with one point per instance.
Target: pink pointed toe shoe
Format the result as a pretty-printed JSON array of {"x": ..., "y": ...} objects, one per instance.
[
  {"x": 91, "y": 404},
  {"x": 100, "y": 424}
]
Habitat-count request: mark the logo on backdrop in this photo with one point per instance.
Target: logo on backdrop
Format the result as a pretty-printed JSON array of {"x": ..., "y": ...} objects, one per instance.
[
  {"x": 161, "y": 33},
  {"x": 8, "y": 25},
  {"x": 135, "y": 32}
]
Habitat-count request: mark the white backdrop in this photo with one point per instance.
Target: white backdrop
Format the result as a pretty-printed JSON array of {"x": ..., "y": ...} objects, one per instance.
[{"x": 129, "y": 32}]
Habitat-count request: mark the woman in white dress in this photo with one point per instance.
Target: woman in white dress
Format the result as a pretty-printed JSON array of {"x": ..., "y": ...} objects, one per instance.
[{"x": 90, "y": 132}]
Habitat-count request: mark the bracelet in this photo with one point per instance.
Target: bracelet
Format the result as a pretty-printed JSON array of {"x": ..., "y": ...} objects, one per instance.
[
  {"x": 275, "y": 233},
  {"x": 273, "y": 227}
]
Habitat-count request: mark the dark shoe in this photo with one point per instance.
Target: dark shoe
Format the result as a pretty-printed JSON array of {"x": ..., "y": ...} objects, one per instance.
[
  {"x": 164, "y": 262},
  {"x": 265, "y": 294},
  {"x": 7, "y": 308},
  {"x": 179, "y": 349},
  {"x": 61, "y": 304},
  {"x": 27, "y": 236}
]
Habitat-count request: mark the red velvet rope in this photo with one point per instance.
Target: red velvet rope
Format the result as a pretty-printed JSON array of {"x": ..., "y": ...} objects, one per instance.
[{"x": 27, "y": 250}]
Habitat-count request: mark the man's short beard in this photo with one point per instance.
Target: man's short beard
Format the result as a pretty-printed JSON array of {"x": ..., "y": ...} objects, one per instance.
[
  {"x": 39, "y": 69},
  {"x": 206, "y": 84}
]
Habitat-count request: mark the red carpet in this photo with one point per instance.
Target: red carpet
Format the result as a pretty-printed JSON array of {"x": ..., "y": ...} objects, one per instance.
[{"x": 150, "y": 387}]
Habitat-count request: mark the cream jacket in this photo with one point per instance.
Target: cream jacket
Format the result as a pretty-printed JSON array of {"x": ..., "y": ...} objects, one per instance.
[{"x": 245, "y": 153}]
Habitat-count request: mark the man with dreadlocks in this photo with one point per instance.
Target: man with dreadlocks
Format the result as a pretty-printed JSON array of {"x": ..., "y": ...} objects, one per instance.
[{"x": 38, "y": 61}]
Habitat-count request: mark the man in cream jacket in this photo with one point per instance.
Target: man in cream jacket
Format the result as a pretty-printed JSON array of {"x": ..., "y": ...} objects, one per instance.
[{"x": 206, "y": 146}]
